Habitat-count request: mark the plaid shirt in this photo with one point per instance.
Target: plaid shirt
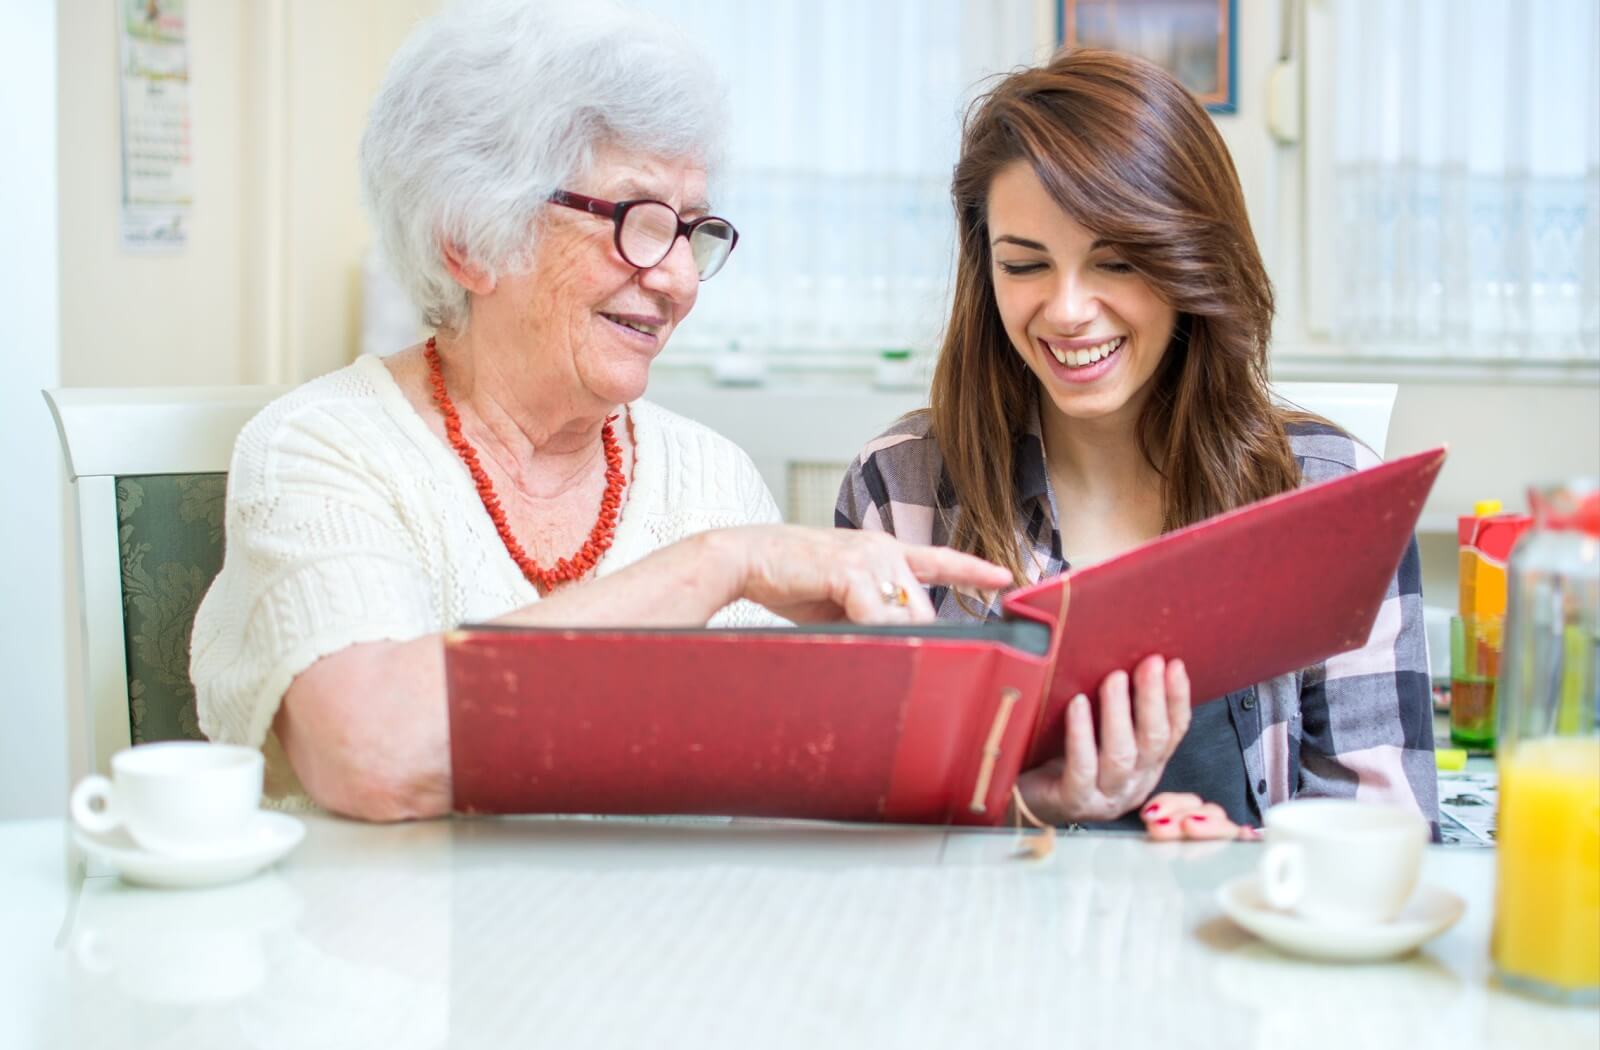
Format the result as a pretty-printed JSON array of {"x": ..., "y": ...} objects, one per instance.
[{"x": 1357, "y": 725}]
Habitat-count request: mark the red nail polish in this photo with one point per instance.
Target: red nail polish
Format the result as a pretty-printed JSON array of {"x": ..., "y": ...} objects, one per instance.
[
  {"x": 1197, "y": 817},
  {"x": 1150, "y": 810},
  {"x": 1164, "y": 820}
]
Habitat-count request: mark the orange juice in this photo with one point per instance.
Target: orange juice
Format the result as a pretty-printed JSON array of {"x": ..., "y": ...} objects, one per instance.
[{"x": 1547, "y": 897}]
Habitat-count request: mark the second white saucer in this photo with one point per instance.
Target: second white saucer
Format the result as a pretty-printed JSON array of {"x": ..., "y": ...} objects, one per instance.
[
  {"x": 269, "y": 837},
  {"x": 1429, "y": 913}
]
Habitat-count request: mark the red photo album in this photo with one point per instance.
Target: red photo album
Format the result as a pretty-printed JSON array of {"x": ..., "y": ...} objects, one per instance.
[{"x": 926, "y": 724}]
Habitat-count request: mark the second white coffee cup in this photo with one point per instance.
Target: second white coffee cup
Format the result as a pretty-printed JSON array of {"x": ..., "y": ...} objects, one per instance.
[
  {"x": 179, "y": 798},
  {"x": 1341, "y": 861}
]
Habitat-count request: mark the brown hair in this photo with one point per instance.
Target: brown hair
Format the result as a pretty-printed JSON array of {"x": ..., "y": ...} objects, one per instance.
[{"x": 1130, "y": 155}]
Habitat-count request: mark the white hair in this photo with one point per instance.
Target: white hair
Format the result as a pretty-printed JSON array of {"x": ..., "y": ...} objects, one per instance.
[{"x": 490, "y": 106}]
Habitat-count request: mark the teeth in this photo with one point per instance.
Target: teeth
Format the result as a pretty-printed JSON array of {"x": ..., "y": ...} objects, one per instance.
[
  {"x": 1086, "y": 356},
  {"x": 647, "y": 329}
]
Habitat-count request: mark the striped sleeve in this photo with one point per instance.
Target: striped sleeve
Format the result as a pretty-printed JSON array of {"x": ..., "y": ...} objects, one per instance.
[
  {"x": 892, "y": 486},
  {"x": 1367, "y": 715},
  {"x": 855, "y": 507}
]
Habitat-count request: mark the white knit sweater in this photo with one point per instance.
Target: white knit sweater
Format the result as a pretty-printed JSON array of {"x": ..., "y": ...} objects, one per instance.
[{"x": 349, "y": 521}]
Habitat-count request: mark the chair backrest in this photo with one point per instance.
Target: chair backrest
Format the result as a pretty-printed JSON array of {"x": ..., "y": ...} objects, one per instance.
[
  {"x": 1362, "y": 409},
  {"x": 802, "y": 439},
  {"x": 148, "y": 468}
]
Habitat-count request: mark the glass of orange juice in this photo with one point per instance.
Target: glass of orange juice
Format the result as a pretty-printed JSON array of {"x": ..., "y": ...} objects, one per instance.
[{"x": 1547, "y": 895}]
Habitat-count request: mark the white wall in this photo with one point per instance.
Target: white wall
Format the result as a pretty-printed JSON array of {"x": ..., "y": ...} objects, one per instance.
[
  {"x": 267, "y": 289},
  {"x": 1263, "y": 164},
  {"x": 338, "y": 54},
  {"x": 149, "y": 319},
  {"x": 33, "y": 746},
  {"x": 1503, "y": 438}
]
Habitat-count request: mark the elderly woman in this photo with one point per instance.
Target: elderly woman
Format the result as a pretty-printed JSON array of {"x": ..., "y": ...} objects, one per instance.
[{"x": 538, "y": 175}]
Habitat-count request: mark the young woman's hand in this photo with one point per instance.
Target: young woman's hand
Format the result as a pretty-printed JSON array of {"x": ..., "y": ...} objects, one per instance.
[
  {"x": 1180, "y": 815},
  {"x": 1104, "y": 777},
  {"x": 820, "y": 575}
]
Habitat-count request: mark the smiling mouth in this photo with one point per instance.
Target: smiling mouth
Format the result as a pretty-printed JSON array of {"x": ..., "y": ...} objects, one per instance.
[
  {"x": 1088, "y": 355},
  {"x": 638, "y": 326}
]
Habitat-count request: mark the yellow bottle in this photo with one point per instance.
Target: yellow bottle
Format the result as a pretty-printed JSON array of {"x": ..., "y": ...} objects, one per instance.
[{"x": 1547, "y": 899}]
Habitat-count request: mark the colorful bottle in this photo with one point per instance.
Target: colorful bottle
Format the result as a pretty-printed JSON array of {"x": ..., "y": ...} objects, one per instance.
[{"x": 1486, "y": 538}]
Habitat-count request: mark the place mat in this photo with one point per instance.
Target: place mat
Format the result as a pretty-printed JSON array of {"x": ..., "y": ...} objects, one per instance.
[{"x": 1468, "y": 803}]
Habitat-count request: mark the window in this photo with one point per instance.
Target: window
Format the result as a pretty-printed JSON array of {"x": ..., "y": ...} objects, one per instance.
[
  {"x": 1455, "y": 202},
  {"x": 845, "y": 125}
]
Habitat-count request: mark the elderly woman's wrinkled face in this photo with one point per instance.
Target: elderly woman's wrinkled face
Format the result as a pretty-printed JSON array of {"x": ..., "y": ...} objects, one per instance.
[{"x": 583, "y": 310}]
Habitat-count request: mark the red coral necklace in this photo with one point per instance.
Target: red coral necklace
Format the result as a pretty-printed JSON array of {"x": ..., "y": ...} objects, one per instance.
[{"x": 605, "y": 527}]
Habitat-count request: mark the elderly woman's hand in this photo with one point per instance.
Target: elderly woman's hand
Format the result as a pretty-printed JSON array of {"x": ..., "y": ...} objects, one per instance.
[
  {"x": 1103, "y": 778},
  {"x": 820, "y": 575}
]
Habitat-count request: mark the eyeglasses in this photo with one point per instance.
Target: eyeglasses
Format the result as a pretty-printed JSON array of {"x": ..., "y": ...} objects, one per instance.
[{"x": 647, "y": 230}]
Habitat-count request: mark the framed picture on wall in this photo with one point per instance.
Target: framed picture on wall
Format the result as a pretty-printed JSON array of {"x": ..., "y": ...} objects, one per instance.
[{"x": 1191, "y": 39}]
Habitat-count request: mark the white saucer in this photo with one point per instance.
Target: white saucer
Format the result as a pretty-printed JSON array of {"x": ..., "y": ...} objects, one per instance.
[
  {"x": 269, "y": 837},
  {"x": 1429, "y": 913}
]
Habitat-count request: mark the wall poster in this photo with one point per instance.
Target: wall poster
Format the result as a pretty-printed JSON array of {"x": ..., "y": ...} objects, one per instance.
[
  {"x": 1194, "y": 40},
  {"x": 157, "y": 149}
]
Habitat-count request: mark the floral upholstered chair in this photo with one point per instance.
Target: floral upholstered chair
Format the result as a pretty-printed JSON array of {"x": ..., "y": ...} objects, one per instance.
[{"x": 169, "y": 538}]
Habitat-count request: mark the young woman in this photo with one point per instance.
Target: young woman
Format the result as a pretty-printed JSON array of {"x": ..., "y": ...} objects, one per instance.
[{"x": 1103, "y": 380}]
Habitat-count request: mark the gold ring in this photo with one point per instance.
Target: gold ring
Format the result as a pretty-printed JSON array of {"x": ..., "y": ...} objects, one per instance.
[{"x": 894, "y": 594}]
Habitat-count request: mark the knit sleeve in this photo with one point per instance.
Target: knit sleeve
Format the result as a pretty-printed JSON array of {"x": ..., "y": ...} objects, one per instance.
[{"x": 319, "y": 555}]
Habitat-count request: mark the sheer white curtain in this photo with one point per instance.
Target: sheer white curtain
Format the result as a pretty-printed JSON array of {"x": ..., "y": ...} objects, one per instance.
[
  {"x": 1467, "y": 161},
  {"x": 845, "y": 126}
]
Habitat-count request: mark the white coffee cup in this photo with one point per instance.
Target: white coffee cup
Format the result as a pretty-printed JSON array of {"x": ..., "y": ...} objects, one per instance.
[
  {"x": 1341, "y": 861},
  {"x": 181, "y": 798}
]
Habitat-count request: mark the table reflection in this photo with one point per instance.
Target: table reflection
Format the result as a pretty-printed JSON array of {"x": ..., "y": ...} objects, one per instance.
[{"x": 628, "y": 933}]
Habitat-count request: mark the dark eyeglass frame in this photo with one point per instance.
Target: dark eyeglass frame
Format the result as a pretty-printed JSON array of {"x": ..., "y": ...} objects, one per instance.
[{"x": 617, "y": 211}]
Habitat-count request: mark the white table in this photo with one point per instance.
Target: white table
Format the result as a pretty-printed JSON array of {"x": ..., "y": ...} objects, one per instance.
[{"x": 535, "y": 932}]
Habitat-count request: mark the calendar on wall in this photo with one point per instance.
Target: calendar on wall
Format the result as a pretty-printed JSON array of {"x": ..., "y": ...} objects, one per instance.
[{"x": 157, "y": 143}]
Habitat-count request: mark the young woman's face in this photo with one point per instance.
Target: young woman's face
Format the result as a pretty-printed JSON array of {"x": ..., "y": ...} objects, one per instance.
[{"x": 1089, "y": 327}]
